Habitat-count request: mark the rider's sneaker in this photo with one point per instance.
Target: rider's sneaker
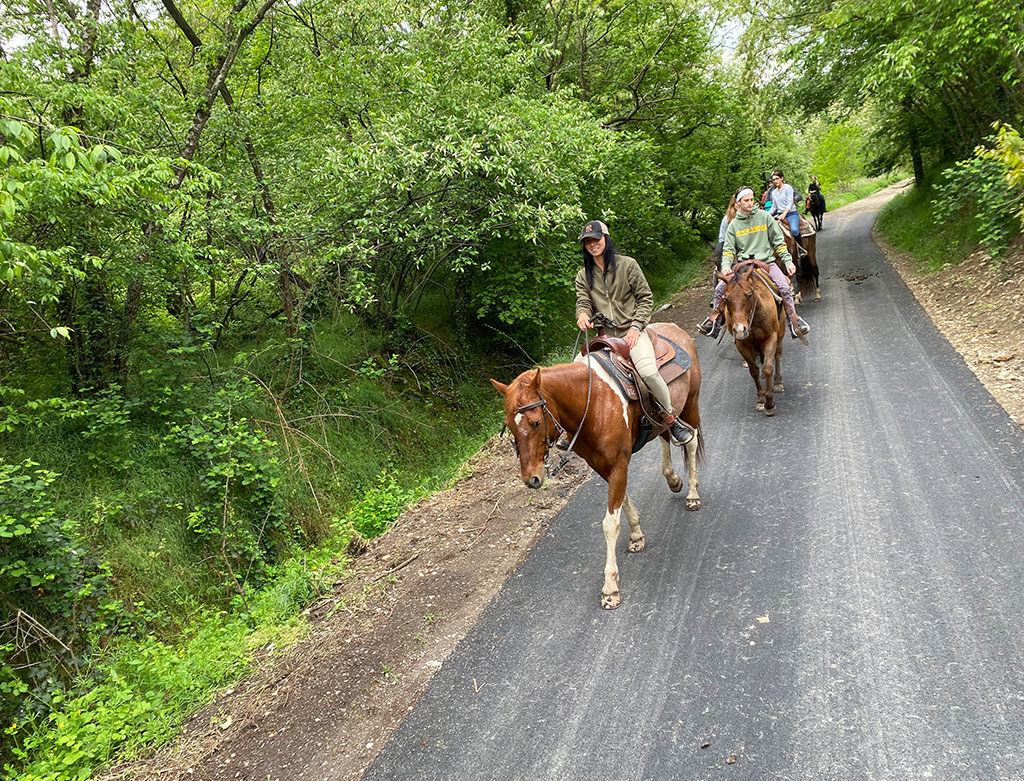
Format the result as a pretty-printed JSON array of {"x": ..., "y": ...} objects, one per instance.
[
  {"x": 680, "y": 433},
  {"x": 710, "y": 328},
  {"x": 801, "y": 325}
]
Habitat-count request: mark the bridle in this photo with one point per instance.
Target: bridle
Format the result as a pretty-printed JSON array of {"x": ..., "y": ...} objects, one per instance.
[
  {"x": 546, "y": 413},
  {"x": 753, "y": 278}
]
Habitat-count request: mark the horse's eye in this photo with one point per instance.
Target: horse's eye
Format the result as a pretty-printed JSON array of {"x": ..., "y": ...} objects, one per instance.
[{"x": 536, "y": 424}]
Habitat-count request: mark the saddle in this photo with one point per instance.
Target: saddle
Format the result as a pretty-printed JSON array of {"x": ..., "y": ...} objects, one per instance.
[
  {"x": 806, "y": 228},
  {"x": 613, "y": 353},
  {"x": 761, "y": 270}
]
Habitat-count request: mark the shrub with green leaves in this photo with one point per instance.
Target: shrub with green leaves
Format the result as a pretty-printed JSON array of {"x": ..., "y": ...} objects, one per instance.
[
  {"x": 380, "y": 506},
  {"x": 54, "y": 594},
  {"x": 242, "y": 517},
  {"x": 981, "y": 185}
]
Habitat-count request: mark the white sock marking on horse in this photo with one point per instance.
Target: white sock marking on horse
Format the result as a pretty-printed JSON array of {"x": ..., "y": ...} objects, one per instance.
[{"x": 611, "y": 534}]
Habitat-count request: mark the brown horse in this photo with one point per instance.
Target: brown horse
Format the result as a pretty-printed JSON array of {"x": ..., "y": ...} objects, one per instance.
[
  {"x": 758, "y": 322},
  {"x": 806, "y": 277},
  {"x": 581, "y": 401}
]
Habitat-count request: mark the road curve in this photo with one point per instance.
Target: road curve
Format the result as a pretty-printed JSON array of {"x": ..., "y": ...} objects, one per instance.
[{"x": 846, "y": 605}]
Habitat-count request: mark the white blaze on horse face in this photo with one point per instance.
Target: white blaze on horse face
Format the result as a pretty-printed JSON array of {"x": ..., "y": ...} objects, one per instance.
[{"x": 601, "y": 374}]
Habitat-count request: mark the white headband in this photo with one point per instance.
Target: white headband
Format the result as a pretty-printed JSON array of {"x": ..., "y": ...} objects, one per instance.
[{"x": 743, "y": 192}]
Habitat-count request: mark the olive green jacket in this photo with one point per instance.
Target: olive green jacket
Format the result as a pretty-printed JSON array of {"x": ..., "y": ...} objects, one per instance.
[{"x": 625, "y": 297}]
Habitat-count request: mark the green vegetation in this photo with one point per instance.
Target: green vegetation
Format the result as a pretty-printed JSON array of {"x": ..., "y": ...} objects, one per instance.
[
  {"x": 861, "y": 188},
  {"x": 257, "y": 261},
  {"x": 909, "y": 223}
]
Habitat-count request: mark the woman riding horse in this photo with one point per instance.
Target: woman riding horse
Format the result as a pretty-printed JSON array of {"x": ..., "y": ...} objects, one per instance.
[
  {"x": 614, "y": 285},
  {"x": 783, "y": 198},
  {"x": 582, "y": 401},
  {"x": 753, "y": 234}
]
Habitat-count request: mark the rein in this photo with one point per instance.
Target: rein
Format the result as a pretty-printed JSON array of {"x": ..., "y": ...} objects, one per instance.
[{"x": 543, "y": 404}]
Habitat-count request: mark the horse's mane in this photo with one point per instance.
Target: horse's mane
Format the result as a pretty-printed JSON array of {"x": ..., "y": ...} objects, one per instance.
[{"x": 522, "y": 390}]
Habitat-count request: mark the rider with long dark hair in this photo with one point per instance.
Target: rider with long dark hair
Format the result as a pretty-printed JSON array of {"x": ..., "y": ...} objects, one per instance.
[
  {"x": 783, "y": 198},
  {"x": 614, "y": 285}
]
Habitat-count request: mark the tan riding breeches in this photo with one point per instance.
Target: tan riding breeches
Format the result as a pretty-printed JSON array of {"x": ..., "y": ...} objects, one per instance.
[{"x": 647, "y": 367}]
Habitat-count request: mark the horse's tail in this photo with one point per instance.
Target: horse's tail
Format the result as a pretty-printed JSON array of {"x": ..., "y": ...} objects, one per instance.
[{"x": 700, "y": 444}]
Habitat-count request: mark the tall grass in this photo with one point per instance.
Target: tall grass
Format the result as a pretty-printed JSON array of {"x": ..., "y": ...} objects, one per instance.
[{"x": 908, "y": 222}]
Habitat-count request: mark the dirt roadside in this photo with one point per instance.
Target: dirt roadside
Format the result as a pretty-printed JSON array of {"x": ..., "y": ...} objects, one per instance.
[{"x": 325, "y": 707}]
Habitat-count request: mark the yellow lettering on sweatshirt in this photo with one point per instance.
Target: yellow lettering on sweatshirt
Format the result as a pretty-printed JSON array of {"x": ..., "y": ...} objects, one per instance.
[{"x": 751, "y": 229}]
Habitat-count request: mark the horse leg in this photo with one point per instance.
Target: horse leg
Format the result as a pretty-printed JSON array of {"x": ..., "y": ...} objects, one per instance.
[
  {"x": 610, "y": 597},
  {"x": 675, "y": 482},
  {"x": 750, "y": 361},
  {"x": 636, "y": 535},
  {"x": 778, "y": 354},
  {"x": 692, "y": 497},
  {"x": 768, "y": 369}
]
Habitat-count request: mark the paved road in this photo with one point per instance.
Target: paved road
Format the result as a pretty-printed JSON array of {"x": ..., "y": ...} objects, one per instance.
[{"x": 847, "y": 605}]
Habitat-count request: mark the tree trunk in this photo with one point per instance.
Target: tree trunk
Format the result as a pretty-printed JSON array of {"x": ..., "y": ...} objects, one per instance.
[{"x": 915, "y": 146}]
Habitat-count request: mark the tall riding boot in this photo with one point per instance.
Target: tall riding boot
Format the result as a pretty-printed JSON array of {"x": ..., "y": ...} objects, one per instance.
[
  {"x": 679, "y": 432},
  {"x": 796, "y": 323},
  {"x": 712, "y": 326},
  {"x": 800, "y": 246}
]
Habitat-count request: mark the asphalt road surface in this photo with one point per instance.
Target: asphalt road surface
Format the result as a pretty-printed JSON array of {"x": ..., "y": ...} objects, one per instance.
[{"x": 848, "y": 604}]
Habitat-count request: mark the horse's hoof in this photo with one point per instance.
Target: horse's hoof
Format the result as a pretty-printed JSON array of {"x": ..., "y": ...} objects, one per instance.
[
  {"x": 675, "y": 487},
  {"x": 635, "y": 546},
  {"x": 760, "y": 406},
  {"x": 769, "y": 411},
  {"x": 693, "y": 504},
  {"x": 610, "y": 601},
  {"x": 818, "y": 297},
  {"x": 779, "y": 388}
]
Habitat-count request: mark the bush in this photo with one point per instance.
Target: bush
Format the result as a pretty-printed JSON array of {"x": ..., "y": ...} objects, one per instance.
[
  {"x": 380, "y": 506},
  {"x": 54, "y": 594},
  {"x": 990, "y": 185}
]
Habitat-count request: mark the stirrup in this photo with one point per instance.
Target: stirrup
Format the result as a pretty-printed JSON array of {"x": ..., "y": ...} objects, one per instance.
[
  {"x": 800, "y": 324},
  {"x": 680, "y": 433},
  {"x": 711, "y": 328}
]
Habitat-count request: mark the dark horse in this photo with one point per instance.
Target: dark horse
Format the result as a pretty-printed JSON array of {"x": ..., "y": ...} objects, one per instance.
[
  {"x": 815, "y": 206},
  {"x": 581, "y": 401},
  {"x": 758, "y": 322}
]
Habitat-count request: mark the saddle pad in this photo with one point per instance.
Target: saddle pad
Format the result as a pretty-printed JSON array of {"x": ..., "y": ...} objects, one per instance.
[
  {"x": 678, "y": 366},
  {"x": 772, "y": 287}
]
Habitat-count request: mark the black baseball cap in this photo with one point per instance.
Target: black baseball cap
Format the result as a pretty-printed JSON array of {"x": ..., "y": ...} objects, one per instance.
[{"x": 594, "y": 229}]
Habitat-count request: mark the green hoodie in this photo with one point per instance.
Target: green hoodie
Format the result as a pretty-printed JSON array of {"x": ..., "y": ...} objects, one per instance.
[{"x": 757, "y": 234}]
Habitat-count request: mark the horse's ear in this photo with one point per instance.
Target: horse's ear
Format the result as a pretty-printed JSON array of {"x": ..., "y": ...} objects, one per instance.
[
  {"x": 501, "y": 387},
  {"x": 534, "y": 380}
]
